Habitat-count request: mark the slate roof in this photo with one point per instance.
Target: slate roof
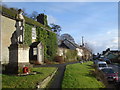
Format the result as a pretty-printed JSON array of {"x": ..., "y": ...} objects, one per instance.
[
  {"x": 111, "y": 51},
  {"x": 68, "y": 44}
]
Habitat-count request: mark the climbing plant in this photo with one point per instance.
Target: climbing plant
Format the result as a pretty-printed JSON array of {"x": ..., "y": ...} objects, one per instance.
[
  {"x": 51, "y": 45},
  {"x": 42, "y": 37},
  {"x": 28, "y": 34},
  {"x": 49, "y": 41}
]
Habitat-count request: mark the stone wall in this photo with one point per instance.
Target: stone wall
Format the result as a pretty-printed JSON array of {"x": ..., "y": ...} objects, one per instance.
[
  {"x": 18, "y": 53},
  {"x": 7, "y": 29}
]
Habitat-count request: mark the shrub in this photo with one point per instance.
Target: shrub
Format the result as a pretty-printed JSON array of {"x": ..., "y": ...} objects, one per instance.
[
  {"x": 59, "y": 59},
  {"x": 47, "y": 61},
  {"x": 71, "y": 55},
  {"x": 37, "y": 62}
]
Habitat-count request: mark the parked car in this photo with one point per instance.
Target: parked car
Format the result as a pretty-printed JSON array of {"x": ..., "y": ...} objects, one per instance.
[
  {"x": 110, "y": 74},
  {"x": 96, "y": 61},
  {"x": 101, "y": 65},
  {"x": 105, "y": 59}
]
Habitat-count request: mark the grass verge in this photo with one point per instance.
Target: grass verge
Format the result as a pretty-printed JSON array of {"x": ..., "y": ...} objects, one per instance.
[
  {"x": 29, "y": 81},
  {"x": 80, "y": 76}
]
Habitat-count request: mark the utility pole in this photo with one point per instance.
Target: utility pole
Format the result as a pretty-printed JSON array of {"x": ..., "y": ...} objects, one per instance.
[{"x": 82, "y": 41}]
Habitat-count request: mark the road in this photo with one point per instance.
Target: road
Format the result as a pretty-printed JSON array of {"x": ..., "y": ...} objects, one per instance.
[{"x": 116, "y": 68}]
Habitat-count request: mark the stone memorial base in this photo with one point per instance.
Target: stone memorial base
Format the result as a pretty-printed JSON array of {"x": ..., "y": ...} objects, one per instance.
[{"x": 18, "y": 58}]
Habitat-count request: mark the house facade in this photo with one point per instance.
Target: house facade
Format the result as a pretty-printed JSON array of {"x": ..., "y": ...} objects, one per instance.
[
  {"x": 113, "y": 55},
  {"x": 82, "y": 53}
]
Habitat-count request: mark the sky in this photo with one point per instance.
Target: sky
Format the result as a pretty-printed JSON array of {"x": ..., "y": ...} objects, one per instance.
[{"x": 97, "y": 22}]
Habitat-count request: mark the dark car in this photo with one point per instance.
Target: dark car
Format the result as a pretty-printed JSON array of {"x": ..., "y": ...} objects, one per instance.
[
  {"x": 110, "y": 74},
  {"x": 105, "y": 59}
]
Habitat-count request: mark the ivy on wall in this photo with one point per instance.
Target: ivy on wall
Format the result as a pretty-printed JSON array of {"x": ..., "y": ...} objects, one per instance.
[
  {"x": 49, "y": 41},
  {"x": 45, "y": 20},
  {"x": 42, "y": 37},
  {"x": 51, "y": 45},
  {"x": 28, "y": 34}
]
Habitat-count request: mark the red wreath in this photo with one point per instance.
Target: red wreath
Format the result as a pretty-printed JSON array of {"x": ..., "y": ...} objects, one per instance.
[{"x": 25, "y": 69}]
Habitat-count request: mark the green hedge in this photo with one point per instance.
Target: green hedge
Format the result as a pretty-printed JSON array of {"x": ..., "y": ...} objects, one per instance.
[{"x": 71, "y": 55}]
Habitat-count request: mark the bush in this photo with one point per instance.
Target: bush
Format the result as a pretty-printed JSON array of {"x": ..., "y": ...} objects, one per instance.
[
  {"x": 37, "y": 62},
  {"x": 71, "y": 55},
  {"x": 47, "y": 61},
  {"x": 59, "y": 59}
]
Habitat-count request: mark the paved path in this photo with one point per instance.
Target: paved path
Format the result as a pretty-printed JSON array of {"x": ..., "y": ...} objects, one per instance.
[{"x": 57, "y": 80}]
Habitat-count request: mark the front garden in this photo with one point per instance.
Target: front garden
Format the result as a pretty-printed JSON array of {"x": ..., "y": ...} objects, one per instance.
[
  {"x": 80, "y": 76},
  {"x": 29, "y": 81}
]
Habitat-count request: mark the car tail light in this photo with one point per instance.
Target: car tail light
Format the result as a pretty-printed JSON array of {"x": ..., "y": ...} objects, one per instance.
[{"x": 116, "y": 78}]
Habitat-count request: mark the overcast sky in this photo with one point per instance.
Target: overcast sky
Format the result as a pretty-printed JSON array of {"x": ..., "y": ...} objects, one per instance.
[{"x": 96, "y": 21}]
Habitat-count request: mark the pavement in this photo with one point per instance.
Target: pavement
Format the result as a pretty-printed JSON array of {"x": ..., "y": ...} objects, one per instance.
[{"x": 57, "y": 79}]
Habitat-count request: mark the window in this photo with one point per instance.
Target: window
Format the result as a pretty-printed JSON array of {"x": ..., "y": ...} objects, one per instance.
[{"x": 34, "y": 51}]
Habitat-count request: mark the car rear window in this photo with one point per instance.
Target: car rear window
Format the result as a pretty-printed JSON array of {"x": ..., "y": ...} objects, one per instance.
[{"x": 102, "y": 65}]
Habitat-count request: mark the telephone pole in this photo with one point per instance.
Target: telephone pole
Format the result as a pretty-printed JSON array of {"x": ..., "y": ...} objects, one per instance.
[{"x": 82, "y": 41}]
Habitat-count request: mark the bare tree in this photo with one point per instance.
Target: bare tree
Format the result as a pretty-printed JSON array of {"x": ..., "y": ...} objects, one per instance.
[
  {"x": 33, "y": 15},
  {"x": 24, "y": 10},
  {"x": 55, "y": 28},
  {"x": 68, "y": 37}
]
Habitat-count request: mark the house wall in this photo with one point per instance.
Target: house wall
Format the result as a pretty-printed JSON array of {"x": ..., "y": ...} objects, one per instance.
[
  {"x": 7, "y": 29},
  {"x": 79, "y": 52},
  {"x": 82, "y": 53},
  {"x": 62, "y": 52},
  {"x": 67, "y": 54}
]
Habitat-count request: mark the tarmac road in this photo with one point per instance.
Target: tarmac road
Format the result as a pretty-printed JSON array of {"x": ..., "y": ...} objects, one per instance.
[{"x": 116, "y": 68}]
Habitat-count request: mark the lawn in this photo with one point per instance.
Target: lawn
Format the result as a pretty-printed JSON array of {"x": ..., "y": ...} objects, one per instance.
[
  {"x": 29, "y": 81},
  {"x": 80, "y": 76}
]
